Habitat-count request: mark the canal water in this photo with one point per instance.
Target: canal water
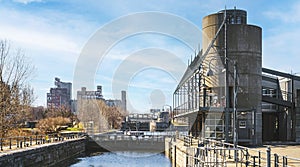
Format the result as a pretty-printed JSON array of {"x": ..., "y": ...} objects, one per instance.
[{"x": 123, "y": 159}]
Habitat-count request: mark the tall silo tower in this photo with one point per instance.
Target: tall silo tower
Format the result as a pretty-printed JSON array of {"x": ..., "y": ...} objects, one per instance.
[
  {"x": 123, "y": 99},
  {"x": 237, "y": 42}
]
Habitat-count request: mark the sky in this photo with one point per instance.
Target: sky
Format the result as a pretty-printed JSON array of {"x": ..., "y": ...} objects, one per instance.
[{"x": 146, "y": 44}]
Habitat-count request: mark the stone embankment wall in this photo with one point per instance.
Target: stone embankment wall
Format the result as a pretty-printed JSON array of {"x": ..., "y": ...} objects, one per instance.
[
  {"x": 44, "y": 155},
  {"x": 177, "y": 152}
]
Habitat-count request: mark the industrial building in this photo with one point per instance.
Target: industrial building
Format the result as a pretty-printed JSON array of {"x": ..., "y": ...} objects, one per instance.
[
  {"x": 118, "y": 103},
  {"x": 226, "y": 94},
  {"x": 84, "y": 94},
  {"x": 280, "y": 106},
  {"x": 113, "y": 102}
]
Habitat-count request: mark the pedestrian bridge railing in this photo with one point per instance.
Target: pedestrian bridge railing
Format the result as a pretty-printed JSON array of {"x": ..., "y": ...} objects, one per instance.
[
  {"x": 122, "y": 137},
  {"x": 149, "y": 142},
  {"x": 19, "y": 142}
]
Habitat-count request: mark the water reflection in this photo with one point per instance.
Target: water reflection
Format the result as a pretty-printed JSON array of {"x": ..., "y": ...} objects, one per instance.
[{"x": 124, "y": 159}]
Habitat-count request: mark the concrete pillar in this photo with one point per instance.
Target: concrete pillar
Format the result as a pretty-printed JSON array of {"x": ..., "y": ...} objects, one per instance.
[
  {"x": 297, "y": 110},
  {"x": 258, "y": 129},
  {"x": 288, "y": 125}
]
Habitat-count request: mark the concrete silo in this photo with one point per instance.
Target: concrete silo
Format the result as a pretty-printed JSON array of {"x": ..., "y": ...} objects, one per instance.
[{"x": 242, "y": 43}]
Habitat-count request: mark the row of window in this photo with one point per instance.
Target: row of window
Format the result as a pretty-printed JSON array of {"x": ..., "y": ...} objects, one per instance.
[{"x": 269, "y": 92}]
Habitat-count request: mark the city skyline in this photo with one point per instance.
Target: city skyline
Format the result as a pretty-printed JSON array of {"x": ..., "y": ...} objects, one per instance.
[{"x": 53, "y": 33}]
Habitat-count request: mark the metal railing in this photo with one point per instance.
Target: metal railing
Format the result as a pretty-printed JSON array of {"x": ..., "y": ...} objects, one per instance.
[
  {"x": 121, "y": 137},
  {"x": 19, "y": 142},
  {"x": 209, "y": 152}
]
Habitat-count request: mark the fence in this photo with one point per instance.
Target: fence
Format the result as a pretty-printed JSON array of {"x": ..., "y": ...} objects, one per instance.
[
  {"x": 12, "y": 143},
  {"x": 119, "y": 138},
  {"x": 208, "y": 152}
]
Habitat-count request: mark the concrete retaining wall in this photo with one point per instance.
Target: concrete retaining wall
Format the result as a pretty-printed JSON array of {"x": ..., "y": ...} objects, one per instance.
[
  {"x": 44, "y": 155},
  {"x": 176, "y": 152}
]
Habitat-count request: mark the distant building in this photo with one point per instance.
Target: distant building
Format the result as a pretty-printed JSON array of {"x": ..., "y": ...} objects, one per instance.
[
  {"x": 74, "y": 106},
  {"x": 84, "y": 94},
  {"x": 57, "y": 97},
  {"x": 60, "y": 95},
  {"x": 67, "y": 85},
  {"x": 118, "y": 103},
  {"x": 154, "y": 110},
  {"x": 113, "y": 103},
  {"x": 36, "y": 113},
  {"x": 124, "y": 101}
]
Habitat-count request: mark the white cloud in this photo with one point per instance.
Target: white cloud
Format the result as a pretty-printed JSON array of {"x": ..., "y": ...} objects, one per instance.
[
  {"x": 281, "y": 50},
  {"x": 59, "y": 34},
  {"x": 46, "y": 37},
  {"x": 44, "y": 31},
  {"x": 281, "y": 41},
  {"x": 51, "y": 39},
  {"x": 27, "y": 1},
  {"x": 32, "y": 38},
  {"x": 291, "y": 15}
]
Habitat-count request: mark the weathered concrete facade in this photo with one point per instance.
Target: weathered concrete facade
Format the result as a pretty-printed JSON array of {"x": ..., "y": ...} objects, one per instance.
[
  {"x": 45, "y": 155},
  {"x": 243, "y": 45},
  {"x": 280, "y": 106},
  {"x": 205, "y": 94}
]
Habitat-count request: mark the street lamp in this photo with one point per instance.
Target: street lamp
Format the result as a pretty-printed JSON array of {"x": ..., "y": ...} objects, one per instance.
[{"x": 169, "y": 108}]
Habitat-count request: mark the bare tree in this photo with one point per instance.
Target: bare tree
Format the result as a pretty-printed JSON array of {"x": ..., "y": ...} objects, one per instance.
[
  {"x": 61, "y": 111},
  {"x": 90, "y": 114},
  {"x": 16, "y": 94},
  {"x": 99, "y": 117},
  {"x": 54, "y": 118},
  {"x": 114, "y": 116},
  {"x": 52, "y": 124}
]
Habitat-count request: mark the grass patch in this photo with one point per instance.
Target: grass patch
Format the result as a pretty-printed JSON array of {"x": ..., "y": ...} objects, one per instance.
[{"x": 74, "y": 129}]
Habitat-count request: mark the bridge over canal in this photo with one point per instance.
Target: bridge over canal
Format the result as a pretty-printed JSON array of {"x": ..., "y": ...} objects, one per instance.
[{"x": 136, "y": 141}]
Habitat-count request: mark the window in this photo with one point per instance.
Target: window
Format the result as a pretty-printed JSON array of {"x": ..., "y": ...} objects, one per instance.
[
  {"x": 214, "y": 125},
  {"x": 238, "y": 20},
  {"x": 242, "y": 124}
]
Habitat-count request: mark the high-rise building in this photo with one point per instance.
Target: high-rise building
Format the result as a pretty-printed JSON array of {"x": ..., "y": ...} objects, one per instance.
[
  {"x": 67, "y": 85},
  {"x": 60, "y": 96}
]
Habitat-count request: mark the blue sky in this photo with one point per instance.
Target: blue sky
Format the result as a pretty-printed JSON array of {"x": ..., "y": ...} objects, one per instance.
[{"x": 52, "y": 33}]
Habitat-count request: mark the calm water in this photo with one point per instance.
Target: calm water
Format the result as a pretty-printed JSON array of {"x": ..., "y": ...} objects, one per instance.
[{"x": 124, "y": 159}]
